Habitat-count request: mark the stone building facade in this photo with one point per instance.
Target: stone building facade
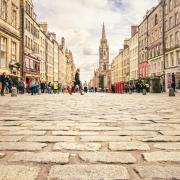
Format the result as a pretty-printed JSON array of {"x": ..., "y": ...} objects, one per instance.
[
  {"x": 70, "y": 68},
  {"x": 133, "y": 51},
  {"x": 172, "y": 41},
  {"x": 30, "y": 42},
  {"x": 126, "y": 61},
  {"x": 155, "y": 42},
  {"x": 143, "y": 49},
  {"x": 62, "y": 62},
  {"x": 10, "y": 37},
  {"x": 117, "y": 68}
]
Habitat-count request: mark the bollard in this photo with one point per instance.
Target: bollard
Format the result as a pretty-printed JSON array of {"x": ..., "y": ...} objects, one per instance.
[
  {"x": 144, "y": 92},
  {"x": 14, "y": 92},
  {"x": 171, "y": 92},
  {"x": 130, "y": 92}
]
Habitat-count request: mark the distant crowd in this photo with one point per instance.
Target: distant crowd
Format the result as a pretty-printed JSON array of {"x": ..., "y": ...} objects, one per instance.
[{"x": 35, "y": 86}]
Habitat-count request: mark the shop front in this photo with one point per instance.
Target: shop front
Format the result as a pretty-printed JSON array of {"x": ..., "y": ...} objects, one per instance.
[
  {"x": 31, "y": 69},
  {"x": 169, "y": 75}
]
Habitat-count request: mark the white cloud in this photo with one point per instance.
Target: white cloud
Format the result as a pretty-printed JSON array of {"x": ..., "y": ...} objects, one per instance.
[{"x": 80, "y": 22}]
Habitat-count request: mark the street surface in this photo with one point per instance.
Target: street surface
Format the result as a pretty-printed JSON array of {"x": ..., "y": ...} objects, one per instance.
[{"x": 95, "y": 136}]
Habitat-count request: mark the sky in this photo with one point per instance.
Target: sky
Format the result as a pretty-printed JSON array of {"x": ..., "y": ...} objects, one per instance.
[{"x": 80, "y": 22}]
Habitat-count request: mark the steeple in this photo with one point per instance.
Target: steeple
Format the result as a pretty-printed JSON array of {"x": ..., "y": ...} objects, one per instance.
[{"x": 103, "y": 33}]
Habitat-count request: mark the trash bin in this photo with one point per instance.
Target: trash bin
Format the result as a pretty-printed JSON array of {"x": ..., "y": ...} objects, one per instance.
[{"x": 155, "y": 85}]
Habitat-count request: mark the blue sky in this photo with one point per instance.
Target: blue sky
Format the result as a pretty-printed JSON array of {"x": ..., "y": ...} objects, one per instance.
[{"x": 80, "y": 22}]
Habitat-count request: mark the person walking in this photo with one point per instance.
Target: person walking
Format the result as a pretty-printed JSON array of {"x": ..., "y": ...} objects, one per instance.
[
  {"x": 85, "y": 87},
  {"x": 43, "y": 85},
  {"x": 33, "y": 87},
  {"x": 21, "y": 87},
  {"x": 77, "y": 82},
  {"x": 55, "y": 87},
  {"x": 3, "y": 82}
]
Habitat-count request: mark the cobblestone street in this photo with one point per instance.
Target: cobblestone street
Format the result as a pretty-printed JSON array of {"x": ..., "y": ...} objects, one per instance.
[{"x": 95, "y": 136}]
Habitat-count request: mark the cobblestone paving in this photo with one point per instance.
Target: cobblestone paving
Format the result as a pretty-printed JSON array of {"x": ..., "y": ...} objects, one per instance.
[{"x": 95, "y": 136}]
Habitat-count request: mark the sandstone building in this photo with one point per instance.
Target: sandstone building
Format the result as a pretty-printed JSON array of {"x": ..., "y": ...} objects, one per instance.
[{"x": 9, "y": 37}]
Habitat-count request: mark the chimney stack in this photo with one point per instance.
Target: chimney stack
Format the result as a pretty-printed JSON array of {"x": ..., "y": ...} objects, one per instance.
[{"x": 134, "y": 29}]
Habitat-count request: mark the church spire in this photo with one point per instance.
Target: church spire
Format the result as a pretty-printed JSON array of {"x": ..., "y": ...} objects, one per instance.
[{"x": 103, "y": 32}]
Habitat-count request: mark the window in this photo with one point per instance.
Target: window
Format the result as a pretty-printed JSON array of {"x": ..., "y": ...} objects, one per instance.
[
  {"x": 170, "y": 5},
  {"x": 172, "y": 59},
  {"x": 177, "y": 38},
  {"x": 176, "y": 18},
  {"x": 178, "y": 57},
  {"x": 171, "y": 40},
  {"x": 166, "y": 43},
  {"x": 4, "y": 10},
  {"x": 14, "y": 16},
  {"x": 166, "y": 25},
  {"x": 13, "y": 50},
  {"x": 167, "y": 61},
  {"x": 170, "y": 22},
  {"x": 176, "y": 2},
  {"x": 166, "y": 9},
  {"x": 3, "y": 48}
]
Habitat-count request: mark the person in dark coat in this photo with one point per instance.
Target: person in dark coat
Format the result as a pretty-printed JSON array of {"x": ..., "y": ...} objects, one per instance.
[
  {"x": 4, "y": 82},
  {"x": 77, "y": 82},
  {"x": 173, "y": 84}
]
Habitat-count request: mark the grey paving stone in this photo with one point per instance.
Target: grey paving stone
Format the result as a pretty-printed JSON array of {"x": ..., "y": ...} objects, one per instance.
[
  {"x": 104, "y": 138},
  {"x": 168, "y": 146},
  {"x": 158, "y": 172},
  {"x": 107, "y": 157},
  {"x": 23, "y": 146},
  {"x": 50, "y": 139},
  {"x": 129, "y": 133},
  {"x": 171, "y": 133},
  {"x": 11, "y": 128},
  {"x": 147, "y": 128},
  {"x": 130, "y": 146},
  {"x": 77, "y": 146},
  {"x": 75, "y": 133},
  {"x": 161, "y": 156},
  {"x": 16, "y": 172},
  {"x": 42, "y": 157},
  {"x": 160, "y": 139},
  {"x": 53, "y": 128},
  {"x": 92, "y": 172},
  {"x": 2, "y": 155},
  {"x": 10, "y": 138},
  {"x": 25, "y": 132},
  {"x": 100, "y": 128}
]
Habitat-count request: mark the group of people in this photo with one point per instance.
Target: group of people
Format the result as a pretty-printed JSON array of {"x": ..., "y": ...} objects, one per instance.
[{"x": 34, "y": 86}]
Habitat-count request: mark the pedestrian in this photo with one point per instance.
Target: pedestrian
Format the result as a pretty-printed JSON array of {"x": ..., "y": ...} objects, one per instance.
[
  {"x": 21, "y": 86},
  {"x": 55, "y": 87},
  {"x": 59, "y": 87},
  {"x": 49, "y": 87},
  {"x": 77, "y": 82},
  {"x": 43, "y": 87},
  {"x": 85, "y": 87},
  {"x": 173, "y": 84},
  {"x": 3, "y": 83},
  {"x": 33, "y": 87}
]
